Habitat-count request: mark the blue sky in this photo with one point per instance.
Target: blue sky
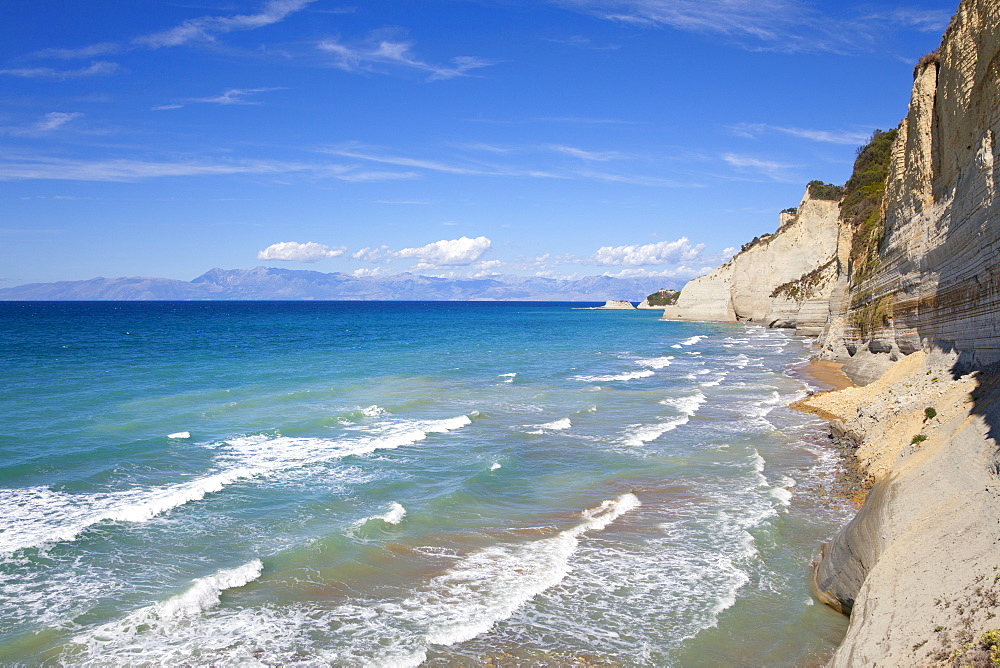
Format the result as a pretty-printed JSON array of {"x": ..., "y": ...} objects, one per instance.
[{"x": 447, "y": 137}]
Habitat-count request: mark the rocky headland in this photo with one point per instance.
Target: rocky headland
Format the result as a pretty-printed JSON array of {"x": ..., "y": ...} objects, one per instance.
[{"x": 903, "y": 290}]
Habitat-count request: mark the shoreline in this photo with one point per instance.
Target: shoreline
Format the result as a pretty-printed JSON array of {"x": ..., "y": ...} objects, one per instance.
[{"x": 852, "y": 482}]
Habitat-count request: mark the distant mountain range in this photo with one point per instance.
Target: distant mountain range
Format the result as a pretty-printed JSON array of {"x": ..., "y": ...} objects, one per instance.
[{"x": 269, "y": 283}]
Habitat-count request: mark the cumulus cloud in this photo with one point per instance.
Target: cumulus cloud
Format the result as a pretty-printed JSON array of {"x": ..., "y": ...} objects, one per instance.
[
  {"x": 293, "y": 251},
  {"x": 381, "y": 254},
  {"x": 448, "y": 252},
  {"x": 662, "y": 252}
]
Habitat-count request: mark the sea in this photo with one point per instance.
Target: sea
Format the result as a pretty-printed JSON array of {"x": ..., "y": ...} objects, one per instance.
[{"x": 404, "y": 484}]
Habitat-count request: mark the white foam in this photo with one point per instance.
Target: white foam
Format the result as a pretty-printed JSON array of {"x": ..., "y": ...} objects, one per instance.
[
  {"x": 557, "y": 425},
  {"x": 628, "y": 375},
  {"x": 494, "y": 466},
  {"x": 480, "y": 589},
  {"x": 374, "y": 411},
  {"x": 489, "y": 585},
  {"x": 688, "y": 405},
  {"x": 39, "y": 516},
  {"x": 784, "y": 496},
  {"x": 395, "y": 515},
  {"x": 163, "y": 618},
  {"x": 677, "y": 345},
  {"x": 693, "y": 340},
  {"x": 656, "y": 362},
  {"x": 639, "y": 435},
  {"x": 180, "y": 434}
]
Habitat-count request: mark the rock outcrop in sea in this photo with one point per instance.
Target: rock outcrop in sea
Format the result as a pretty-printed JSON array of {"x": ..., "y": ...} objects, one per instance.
[
  {"x": 618, "y": 304},
  {"x": 907, "y": 298}
]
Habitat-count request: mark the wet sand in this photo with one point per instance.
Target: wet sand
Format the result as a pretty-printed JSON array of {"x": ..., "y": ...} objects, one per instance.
[{"x": 829, "y": 374}]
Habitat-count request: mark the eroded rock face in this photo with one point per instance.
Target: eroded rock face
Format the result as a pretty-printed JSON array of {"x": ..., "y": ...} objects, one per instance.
[
  {"x": 917, "y": 567},
  {"x": 938, "y": 262},
  {"x": 919, "y": 563},
  {"x": 782, "y": 280}
]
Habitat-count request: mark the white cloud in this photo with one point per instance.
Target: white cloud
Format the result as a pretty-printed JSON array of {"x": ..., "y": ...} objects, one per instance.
[
  {"x": 789, "y": 26},
  {"x": 235, "y": 96},
  {"x": 682, "y": 271},
  {"x": 659, "y": 253},
  {"x": 206, "y": 27},
  {"x": 760, "y": 19},
  {"x": 382, "y": 254},
  {"x": 448, "y": 252},
  {"x": 62, "y": 169},
  {"x": 231, "y": 96},
  {"x": 98, "y": 68},
  {"x": 55, "y": 119},
  {"x": 586, "y": 155},
  {"x": 293, "y": 251},
  {"x": 387, "y": 51},
  {"x": 848, "y": 137},
  {"x": 769, "y": 168}
]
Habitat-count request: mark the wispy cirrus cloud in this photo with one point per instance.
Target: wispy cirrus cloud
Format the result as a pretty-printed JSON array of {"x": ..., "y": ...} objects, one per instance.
[
  {"x": 779, "y": 25},
  {"x": 848, "y": 137},
  {"x": 202, "y": 29},
  {"x": 99, "y": 68},
  {"x": 17, "y": 168},
  {"x": 44, "y": 125},
  {"x": 464, "y": 165},
  {"x": 762, "y": 19},
  {"x": 385, "y": 49},
  {"x": 361, "y": 153},
  {"x": 206, "y": 28},
  {"x": 238, "y": 96},
  {"x": 770, "y": 168}
]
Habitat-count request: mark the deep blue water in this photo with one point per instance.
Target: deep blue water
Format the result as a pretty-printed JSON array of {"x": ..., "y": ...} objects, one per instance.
[{"x": 373, "y": 483}]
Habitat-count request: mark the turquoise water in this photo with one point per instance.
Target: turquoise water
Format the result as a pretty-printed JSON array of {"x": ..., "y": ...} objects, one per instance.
[{"x": 403, "y": 483}]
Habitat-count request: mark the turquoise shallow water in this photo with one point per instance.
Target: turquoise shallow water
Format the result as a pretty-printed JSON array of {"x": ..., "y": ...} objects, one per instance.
[{"x": 402, "y": 483}]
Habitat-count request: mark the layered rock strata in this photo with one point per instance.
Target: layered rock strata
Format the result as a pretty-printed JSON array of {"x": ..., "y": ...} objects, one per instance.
[
  {"x": 780, "y": 280},
  {"x": 919, "y": 567}
]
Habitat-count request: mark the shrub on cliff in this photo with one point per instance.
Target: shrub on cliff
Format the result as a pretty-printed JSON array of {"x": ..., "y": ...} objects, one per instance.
[
  {"x": 663, "y": 298},
  {"x": 828, "y": 191},
  {"x": 861, "y": 207}
]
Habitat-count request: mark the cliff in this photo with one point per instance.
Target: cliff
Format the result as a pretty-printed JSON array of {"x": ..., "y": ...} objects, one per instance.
[
  {"x": 916, "y": 309},
  {"x": 779, "y": 280},
  {"x": 904, "y": 289}
]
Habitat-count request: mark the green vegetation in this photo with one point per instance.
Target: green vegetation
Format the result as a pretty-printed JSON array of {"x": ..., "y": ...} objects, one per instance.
[
  {"x": 862, "y": 210},
  {"x": 828, "y": 191},
  {"x": 803, "y": 287},
  {"x": 792, "y": 210},
  {"x": 862, "y": 204},
  {"x": 870, "y": 313},
  {"x": 991, "y": 643},
  {"x": 663, "y": 298},
  {"x": 753, "y": 242},
  {"x": 919, "y": 438},
  {"x": 929, "y": 414},
  {"x": 927, "y": 59}
]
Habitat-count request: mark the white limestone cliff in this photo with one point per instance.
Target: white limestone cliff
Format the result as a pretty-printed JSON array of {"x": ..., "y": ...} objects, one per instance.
[{"x": 781, "y": 280}]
